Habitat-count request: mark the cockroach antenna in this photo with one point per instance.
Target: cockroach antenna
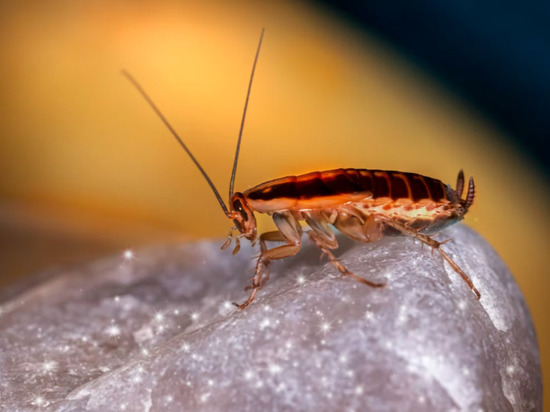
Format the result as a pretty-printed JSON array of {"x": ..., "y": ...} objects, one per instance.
[
  {"x": 236, "y": 161},
  {"x": 363, "y": 204},
  {"x": 183, "y": 145},
  {"x": 169, "y": 126}
]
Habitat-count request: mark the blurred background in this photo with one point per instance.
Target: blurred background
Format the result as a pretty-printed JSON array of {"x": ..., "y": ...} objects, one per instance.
[{"x": 88, "y": 170}]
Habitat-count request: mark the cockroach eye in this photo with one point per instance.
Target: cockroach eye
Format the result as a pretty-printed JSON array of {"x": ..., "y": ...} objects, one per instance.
[{"x": 238, "y": 206}]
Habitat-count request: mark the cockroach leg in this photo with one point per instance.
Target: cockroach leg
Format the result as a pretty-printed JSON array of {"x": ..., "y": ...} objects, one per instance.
[
  {"x": 360, "y": 203},
  {"x": 226, "y": 243},
  {"x": 274, "y": 236},
  {"x": 365, "y": 229},
  {"x": 320, "y": 243},
  {"x": 434, "y": 244},
  {"x": 290, "y": 232},
  {"x": 265, "y": 258},
  {"x": 237, "y": 246},
  {"x": 461, "y": 273},
  {"x": 229, "y": 239}
]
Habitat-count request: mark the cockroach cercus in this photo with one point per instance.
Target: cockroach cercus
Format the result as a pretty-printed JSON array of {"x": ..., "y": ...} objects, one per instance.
[{"x": 362, "y": 204}]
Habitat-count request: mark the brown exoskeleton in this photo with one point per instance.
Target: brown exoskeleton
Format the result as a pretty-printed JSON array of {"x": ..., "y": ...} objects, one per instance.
[{"x": 362, "y": 204}]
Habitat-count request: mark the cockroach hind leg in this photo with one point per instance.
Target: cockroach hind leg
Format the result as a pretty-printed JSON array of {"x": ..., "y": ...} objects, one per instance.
[
  {"x": 428, "y": 240},
  {"x": 463, "y": 275}
]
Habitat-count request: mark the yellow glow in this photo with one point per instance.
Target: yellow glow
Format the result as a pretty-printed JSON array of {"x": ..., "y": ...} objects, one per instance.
[{"x": 77, "y": 139}]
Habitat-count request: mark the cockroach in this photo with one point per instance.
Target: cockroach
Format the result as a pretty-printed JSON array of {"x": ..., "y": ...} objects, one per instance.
[{"x": 362, "y": 204}]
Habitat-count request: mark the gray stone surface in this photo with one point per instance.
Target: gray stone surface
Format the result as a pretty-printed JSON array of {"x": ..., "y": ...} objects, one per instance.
[{"x": 158, "y": 333}]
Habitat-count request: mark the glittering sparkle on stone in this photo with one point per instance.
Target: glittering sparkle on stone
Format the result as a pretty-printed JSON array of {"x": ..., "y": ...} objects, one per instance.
[
  {"x": 325, "y": 327},
  {"x": 161, "y": 333},
  {"x": 226, "y": 308},
  {"x": 49, "y": 366},
  {"x": 113, "y": 330},
  {"x": 275, "y": 368},
  {"x": 39, "y": 401},
  {"x": 128, "y": 254},
  {"x": 265, "y": 323}
]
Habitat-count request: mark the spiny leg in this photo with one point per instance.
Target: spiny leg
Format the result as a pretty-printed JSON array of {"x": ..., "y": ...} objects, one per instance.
[
  {"x": 290, "y": 231},
  {"x": 321, "y": 244},
  {"x": 279, "y": 252},
  {"x": 428, "y": 240},
  {"x": 274, "y": 236}
]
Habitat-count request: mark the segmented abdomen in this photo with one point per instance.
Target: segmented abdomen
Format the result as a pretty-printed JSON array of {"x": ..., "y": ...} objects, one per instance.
[{"x": 339, "y": 186}]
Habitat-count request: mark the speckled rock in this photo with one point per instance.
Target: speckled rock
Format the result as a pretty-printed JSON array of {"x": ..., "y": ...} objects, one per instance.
[{"x": 157, "y": 332}]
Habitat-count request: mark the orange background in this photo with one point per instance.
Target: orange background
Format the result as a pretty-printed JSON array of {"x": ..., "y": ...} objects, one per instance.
[{"x": 87, "y": 168}]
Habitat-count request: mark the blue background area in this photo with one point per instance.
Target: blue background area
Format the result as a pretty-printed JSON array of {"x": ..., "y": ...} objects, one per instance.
[{"x": 495, "y": 55}]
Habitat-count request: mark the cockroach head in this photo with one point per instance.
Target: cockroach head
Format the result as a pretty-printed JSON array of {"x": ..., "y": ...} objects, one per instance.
[{"x": 242, "y": 216}]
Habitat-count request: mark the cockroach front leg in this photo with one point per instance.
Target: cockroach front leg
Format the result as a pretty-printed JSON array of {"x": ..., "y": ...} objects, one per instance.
[
  {"x": 274, "y": 236},
  {"x": 428, "y": 240},
  {"x": 290, "y": 232},
  {"x": 230, "y": 237}
]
